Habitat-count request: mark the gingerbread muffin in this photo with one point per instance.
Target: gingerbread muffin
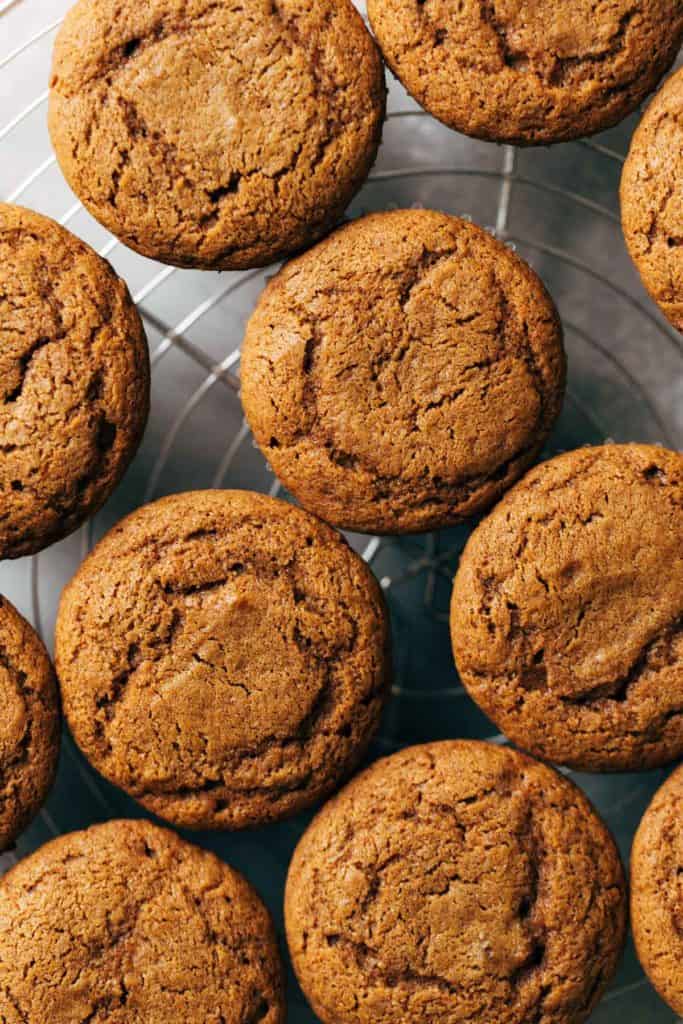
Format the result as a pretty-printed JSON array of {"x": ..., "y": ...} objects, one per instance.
[
  {"x": 652, "y": 199},
  {"x": 74, "y": 381},
  {"x": 126, "y": 922},
  {"x": 452, "y": 882},
  {"x": 223, "y": 657},
  {"x": 567, "y": 609},
  {"x": 403, "y": 373},
  {"x": 528, "y": 73},
  {"x": 210, "y": 134},
  {"x": 30, "y": 723},
  {"x": 657, "y": 891}
]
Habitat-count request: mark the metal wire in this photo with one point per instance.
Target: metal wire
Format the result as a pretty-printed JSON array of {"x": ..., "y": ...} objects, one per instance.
[
  {"x": 23, "y": 114},
  {"x": 32, "y": 177},
  {"x": 13, "y": 54}
]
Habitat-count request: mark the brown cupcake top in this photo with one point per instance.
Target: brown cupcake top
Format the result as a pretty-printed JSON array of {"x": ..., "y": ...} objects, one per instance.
[
  {"x": 657, "y": 891},
  {"x": 528, "y": 71},
  {"x": 29, "y": 726},
  {"x": 456, "y": 881},
  {"x": 223, "y": 658},
  {"x": 126, "y": 922},
  {"x": 652, "y": 199},
  {"x": 567, "y": 610},
  {"x": 211, "y": 134},
  {"x": 403, "y": 373},
  {"x": 74, "y": 381}
]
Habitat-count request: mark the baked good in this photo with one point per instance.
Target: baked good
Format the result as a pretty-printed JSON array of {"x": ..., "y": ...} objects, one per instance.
[
  {"x": 223, "y": 657},
  {"x": 456, "y": 881},
  {"x": 567, "y": 609},
  {"x": 652, "y": 199},
  {"x": 403, "y": 373},
  {"x": 29, "y": 726},
  {"x": 657, "y": 891},
  {"x": 210, "y": 134},
  {"x": 74, "y": 381},
  {"x": 528, "y": 71},
  {"x": 127, "y": 922}
]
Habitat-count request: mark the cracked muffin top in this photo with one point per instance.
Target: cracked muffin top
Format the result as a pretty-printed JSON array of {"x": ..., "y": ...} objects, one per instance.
[
  {"x": 29, "y": 726},
  {"x": 210, "y": 134},
  {"x": 657, "y": 891},
  {"x": 452, "y": 882},
  {"x": 74, "y": 381},
  {"x": 528, "y": 71},
  {"x": 223, "y": 657},
  {"x": 129, "y": 924},
  {"x": 403, "y": 373},
  {"x": 567, "y": 610},
  {"x": 652, "y": 199}
]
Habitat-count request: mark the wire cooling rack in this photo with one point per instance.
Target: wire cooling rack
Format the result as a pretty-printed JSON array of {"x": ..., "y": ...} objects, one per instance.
[{"x": 558, "y": 207}]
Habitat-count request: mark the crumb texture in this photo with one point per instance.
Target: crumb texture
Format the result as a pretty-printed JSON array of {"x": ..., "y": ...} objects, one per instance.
[
  {"x": 211, "y": 134},
  {"x": 29, "y": 726},
  {"x": 652, "y": 199},
  {"x": 456, "y": 882},
  {"x": 567, "y": 609},
  {"x": 74, "y": 381},
  {"x": 126, "y": 923},
  {"x": 403, "y": 373},
  {"x": 657, "y": 891},
  {"x": 529, "y": 71},
  {"x": 223, "y": 657}
]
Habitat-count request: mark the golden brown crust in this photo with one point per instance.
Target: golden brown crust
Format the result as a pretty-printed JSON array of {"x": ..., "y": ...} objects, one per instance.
[
  {"x": 567, "y": 609},
  {"x": 528, "y": 71},
  {"x": 29, "y": 726},
  {"x": 403, "y": 373},
  {"x": 657, "y": 891},
  {"x": 126, "y": 923},
  {"x": 74, "y": 381},
  {"x": 223, "y": 657},
  {"x": 456, "y": 881},
  {"x": 652, "y": 199},
  {"x": 210, "y": 134}
]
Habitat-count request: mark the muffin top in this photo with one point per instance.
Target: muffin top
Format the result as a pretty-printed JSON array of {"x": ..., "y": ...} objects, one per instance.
[
  {"x": 652, "y": 199},
  {"x": 210, "y": 134},
  {"x": 223, "y": 657},
  {"x": 567, "y": 610},
  {"x": 528, "y": 71},
  {"x": 127, "y": 923},
  {"x": 657, "y": 891},
  {"x": 456, "y": 881},
  {"x": 74, "y": 381},
  {"x": 30, "y": 723},
  {"x": 403, "y": 373}
]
